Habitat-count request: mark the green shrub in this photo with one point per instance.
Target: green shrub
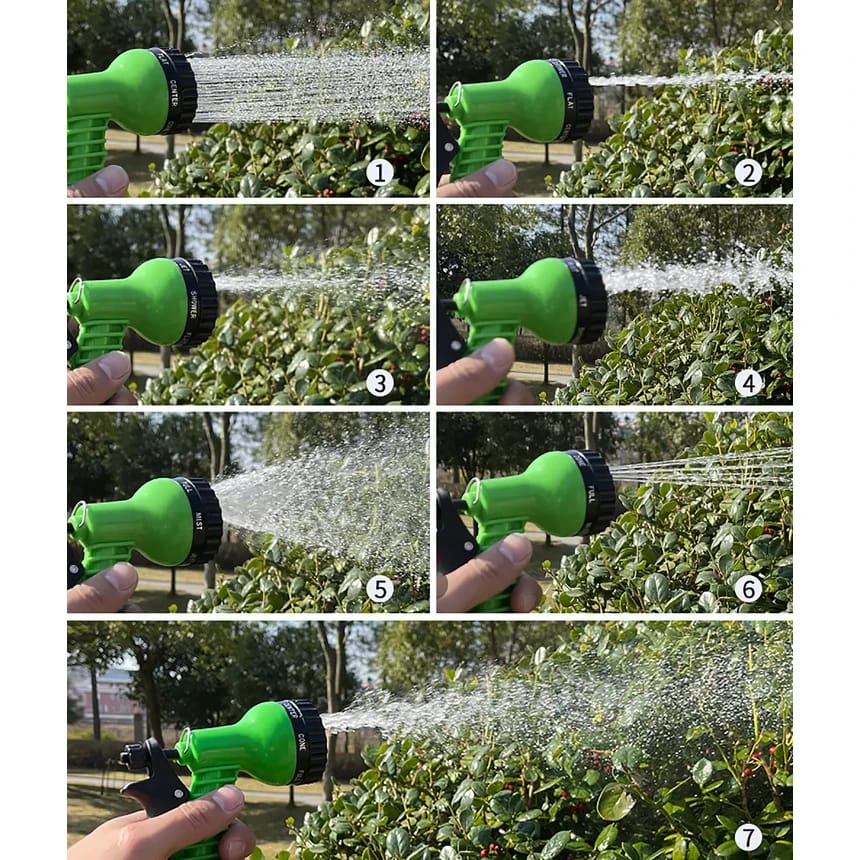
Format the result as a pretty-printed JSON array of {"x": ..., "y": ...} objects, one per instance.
[
  {"x": 317, "y": 348},
  {"x": 686, "y": 141},
  {"x": 284, "y": 578},
  {"x": 586, "y": 792},
  {"x": 689, "y": 349},
  {"x": 681, "y": 549},
  {"x": 315, "y": 159}
]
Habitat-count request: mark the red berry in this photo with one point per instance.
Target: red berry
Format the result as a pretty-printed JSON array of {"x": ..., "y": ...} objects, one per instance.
[
  {"x": 747, "y": 771},
  {"x": 756, "y": 755},
  {"x": 564, "y": 794},
  {"x": 772, "y": 750},
  {"x": 484, "y": 852}
]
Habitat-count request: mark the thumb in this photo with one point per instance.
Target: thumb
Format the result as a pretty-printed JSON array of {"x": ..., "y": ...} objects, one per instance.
[
  {"x": 110, "y": 181},
  {"x": 95, "y": 383},
  {"x": 495, "y": 180},
  {"x": 485, "y": 576},
  {"x": 189, "y": 823},
  {"x": 107, "y": 591}
]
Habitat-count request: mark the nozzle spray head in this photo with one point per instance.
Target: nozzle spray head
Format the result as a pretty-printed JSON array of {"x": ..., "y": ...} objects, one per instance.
[
  {"x": 278, "y": 743},
  {"x": 150, "y": 91},
  {"x": 545, "y": 101},
  {"x": 169, "y": 302},
  {"x": 563, "y": 493},
  {"x": 559, "y": 300},
  {"x": 171, "y": 521}
]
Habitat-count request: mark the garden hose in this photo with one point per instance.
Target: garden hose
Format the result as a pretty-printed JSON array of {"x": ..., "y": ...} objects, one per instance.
[
  {"x": 564, "y": 493},
  {"x": 171, "y": 521},
  {"x": 278, "y": 743},
  {"x": 144, "y": 91},
  {"x": 546, "y": 101},
  {"x": 559, "y": 300},
  {"x": 169, "y": 302}
]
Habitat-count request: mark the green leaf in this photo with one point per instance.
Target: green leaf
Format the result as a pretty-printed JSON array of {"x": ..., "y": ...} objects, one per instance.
[
  {"x": 607, "y": 837},
  {"x": 555, "y": 845},
  {"x": 397, "y": 843},
  {"x": 703, "y": 770},
  {"x": 614, "y": 802}
]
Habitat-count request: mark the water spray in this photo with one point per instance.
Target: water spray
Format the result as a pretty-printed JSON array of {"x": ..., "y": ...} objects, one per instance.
[
  {"x": 564, "y": 493},
  {"x": 546, "y": 101},
  {"x": 171, "y": 521},
  {"x": 768, "y": 469},
  {"x": 278, "y": 743},
  {"x": 559, "y": 300},
  {"x": 144, "y": 91},
  {"x": 169, "y": 302}
]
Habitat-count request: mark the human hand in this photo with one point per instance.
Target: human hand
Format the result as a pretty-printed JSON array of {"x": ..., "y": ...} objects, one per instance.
[
  {"x": 487, "y": 575},
  {"x": 136, "y": 837},
  {"x": 495, "y": 180},
  {"x": 110, "y": 181},
  {"x": 107, "y": 591},
  {"x": 100, "y": 381},
  {"x": 474, "y": 376}
]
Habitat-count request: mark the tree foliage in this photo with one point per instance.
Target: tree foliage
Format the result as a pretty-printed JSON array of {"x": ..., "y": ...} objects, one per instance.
[
  {"x": 110, "y": 454},
  {"x": 652, "y": 33}
]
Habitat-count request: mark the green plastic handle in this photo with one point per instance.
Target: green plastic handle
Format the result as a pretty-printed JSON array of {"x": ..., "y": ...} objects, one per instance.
[
  {"x": 480, "y": 144},
  {"x": 489, "y": 534},
  {"x": 203, "y": 781},
  {"x": 96, "y": 339},
  {"x": 101, "y": 556},
  {"x": 483, "y": 333},
  {"x": 85, "y": 146}
]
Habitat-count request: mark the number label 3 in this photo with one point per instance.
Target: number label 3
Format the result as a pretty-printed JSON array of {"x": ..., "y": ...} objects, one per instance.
[{"x": 380, "y": 383}]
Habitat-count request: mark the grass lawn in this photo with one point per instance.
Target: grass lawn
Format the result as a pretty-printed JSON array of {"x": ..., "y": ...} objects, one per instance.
[
  {"x": 87, "y": 809},
  {"x": 121, "y": 150},
  {"x": 156, "y": 597}
]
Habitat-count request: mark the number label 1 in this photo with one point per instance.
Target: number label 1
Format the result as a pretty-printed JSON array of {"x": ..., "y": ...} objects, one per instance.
[
  {"x": 748, "y": 382},
  {"x": 379, "y": 383},
  {"x": 748, "y": 172},
  {"x": 379, "y": 172},
  {"x": 749, "y": 588},
  {"x": 748, "y": 837},
  {"x": 380, "y": 589}
]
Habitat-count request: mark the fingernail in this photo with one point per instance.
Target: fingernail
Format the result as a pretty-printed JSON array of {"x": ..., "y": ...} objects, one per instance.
[
  {"x": 112, "y": 180},
  {"x": 502, "y": 174},
  {"x": 123, "y": 577},
  {"x": 115, "y": 365},
  {"x": 516, "y": 548},
  {"x": 237, "y": 848},
  {"x": 498, "y": 353},
  {"x": 229, "y": 798}
]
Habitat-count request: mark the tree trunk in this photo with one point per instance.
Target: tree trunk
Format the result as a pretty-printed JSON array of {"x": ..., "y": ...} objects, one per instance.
[
  {"x": 335, "y": 670},
  {"x": 94, "y": 693}
]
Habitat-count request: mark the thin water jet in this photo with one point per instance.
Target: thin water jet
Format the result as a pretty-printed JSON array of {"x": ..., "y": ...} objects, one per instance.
[{"x": 692, "y": 80}]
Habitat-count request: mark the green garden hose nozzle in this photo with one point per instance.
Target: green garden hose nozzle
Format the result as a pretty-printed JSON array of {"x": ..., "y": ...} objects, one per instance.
[
  {"x": 545, "y": 101},
  {"x": 171, "y": 521},
  {"x": 563, "y": 493},
  {"x": 144, "y": 91},
  {"x": 278, "y": 743},
  {"x": 169, "y": 302},
  {"x": 559, "y": 300}
]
